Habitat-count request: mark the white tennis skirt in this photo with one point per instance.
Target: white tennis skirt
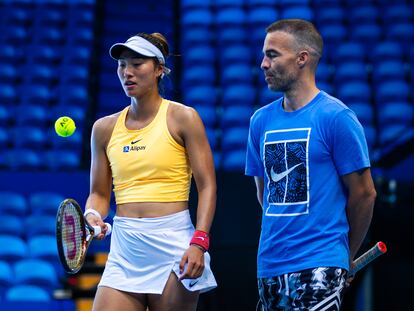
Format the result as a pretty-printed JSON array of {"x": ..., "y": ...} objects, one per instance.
[{"x": 144, "y": 252}]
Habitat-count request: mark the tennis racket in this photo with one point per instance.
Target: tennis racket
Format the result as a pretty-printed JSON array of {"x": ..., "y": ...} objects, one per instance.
[
  {"x": 377, "y": 250},
  {"x": 74, "y": 235}
]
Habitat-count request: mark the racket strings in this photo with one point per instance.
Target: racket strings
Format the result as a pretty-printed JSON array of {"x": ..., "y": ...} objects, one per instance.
[{"x": 72, "y": 236}]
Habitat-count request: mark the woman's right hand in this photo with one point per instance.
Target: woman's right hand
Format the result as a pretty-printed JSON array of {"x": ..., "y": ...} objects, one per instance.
[{"x": 94, "y": 220}]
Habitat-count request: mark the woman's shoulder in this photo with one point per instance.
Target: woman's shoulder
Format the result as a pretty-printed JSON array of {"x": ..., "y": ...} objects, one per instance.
[
  {"x": 103, "y": 127},
  {"x": 180, "y": 111}
]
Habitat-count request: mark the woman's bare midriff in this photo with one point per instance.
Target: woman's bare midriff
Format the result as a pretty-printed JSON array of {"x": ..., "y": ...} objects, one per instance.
[{"x": 150, "y": 209}]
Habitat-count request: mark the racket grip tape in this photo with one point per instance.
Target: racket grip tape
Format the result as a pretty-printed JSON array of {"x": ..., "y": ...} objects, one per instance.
[
  {"x": 377, "y": 250},
  {"x": 97, "y": 230}
]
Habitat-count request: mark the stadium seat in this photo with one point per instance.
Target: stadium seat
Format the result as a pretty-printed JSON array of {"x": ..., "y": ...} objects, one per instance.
[
  {"x": 402, "y": 32},
  {"x": 363, "y": 14},
  {"x": 197, "y": 17},
  {"x": 74, "y": 74},
  {"x": 354, "y": 91},
  {"x": 73, "y": 143},
  {"x": 77, "y": 55},
  {"x": 232, "y": 35},
  {"x": 23, "y": 159},
  {"x": 74, "y": 94},
  {"x": 397, "y": 12},
  {"x": 350, "y": 71},
  {"x": 244, "y": 94},
  {"x": 43, "y": 247},
  {"x": 330, "y": 15},
  {"x": 230, "y": 17},
  {"x": 323, "y": 72},
  {"x": 82, "y": 13},
  {"x": 198, "y": 75},
  {"x": 222, "y": 4},
  {"x": 5, "y": 141},
  {"x": 234, "y": 160},
  {"x": 82, "y": 36},
  {"x": 261, "y": 17},
  {"x": 19, "y": 17},
  {"x": 8, "y": 95},
  {"x": 212, "y": 137},
  {"x": 195, "y": 4},
  {"x": 13, "y": 203},
  {"x": 199, "y": 54},
  {"x": 32, "y": 117},
  {"x": 9, "y": 53},
  {"x": 41, "y": 73},
  {"x": 35, "y": 272},
  {"x": 29, "y": 137},
  {"x": 44, "y": 203},
  {"x": 7, "y": 115},
  {"x": 234, "y": 138},
  {"x": 9, "y": 73},
  {"x": 236, "y": 73},
  {"x": 38, "y": 94},
  {"x": 391, "y": 133},
  {"x": 46, "y": 55},
  {"x": 236, "y": 116},
  {"x": 326, "y": 86},
  {"x": 387, "y": 91},
  {"x": 401, "y": 113},
  {"x": 267, "y": 96},
  {"x": 40, "y": 225},
  {"x": 26, "y": 293},
  {"x": 388, "y": 70},
  {"x": 387, "y": 50},
  {"x": 264, "y": 3},
  {"x": 364, "y": 112},
  {"x": 200, "y": 95},
  {"x": 237, "y": 53},
  {"x": 51, "y": 17},
  {"x": 349, "y": 51},
  {"x": 6, "y": 275},
  {"x": 12, "y": 225},
  {"x": 303, "y": 12},
  {"x": 196, "y": 36},
  {"x": 207, "y": 114},
  {"x": 77, "y": 113},
  {"x": 63, "y": 160},
  {"x": 333, "y": 34},
  {"x": 367, "y": 34},
  {"x": 16, "y": 34},
  {"x": 51, "y": 36},
  {"x": 13, "y": 248},
  {"x": 371, "y": 136}
]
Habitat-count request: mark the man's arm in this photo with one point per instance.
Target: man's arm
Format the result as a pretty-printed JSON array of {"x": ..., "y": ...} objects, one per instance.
[
  {"x": 360, "y": 206},
  {"x": 259, "y": 187}
]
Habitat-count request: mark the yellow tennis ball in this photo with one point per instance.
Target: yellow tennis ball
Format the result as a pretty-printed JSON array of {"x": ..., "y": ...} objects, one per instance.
[{"x": 65, "y": 126}]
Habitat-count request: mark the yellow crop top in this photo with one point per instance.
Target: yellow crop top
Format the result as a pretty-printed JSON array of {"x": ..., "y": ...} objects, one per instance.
[{"x": 148, "y": 165}]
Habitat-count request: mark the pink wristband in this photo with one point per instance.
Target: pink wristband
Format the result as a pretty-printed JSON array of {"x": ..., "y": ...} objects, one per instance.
[{"x": 201, "y": 239}]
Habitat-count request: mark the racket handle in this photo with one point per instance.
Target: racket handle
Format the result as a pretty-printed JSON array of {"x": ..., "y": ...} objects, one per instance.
[
  {"x": 97, "y": 230},
  {"x": 377, "y": 250}
]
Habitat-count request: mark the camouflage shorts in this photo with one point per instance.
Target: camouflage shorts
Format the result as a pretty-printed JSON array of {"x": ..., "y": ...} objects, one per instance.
[{"x": 318, "y": 289}]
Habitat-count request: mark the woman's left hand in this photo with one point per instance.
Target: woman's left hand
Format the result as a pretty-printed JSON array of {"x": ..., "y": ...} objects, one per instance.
[{"x": 192, "y": 263}]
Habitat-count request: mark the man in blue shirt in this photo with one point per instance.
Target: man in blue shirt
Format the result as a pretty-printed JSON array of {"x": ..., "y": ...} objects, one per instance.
[{"x": 309, "y": 158}]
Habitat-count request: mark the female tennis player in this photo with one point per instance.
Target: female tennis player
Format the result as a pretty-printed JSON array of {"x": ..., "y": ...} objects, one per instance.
[{"x": 149, "y": 152}]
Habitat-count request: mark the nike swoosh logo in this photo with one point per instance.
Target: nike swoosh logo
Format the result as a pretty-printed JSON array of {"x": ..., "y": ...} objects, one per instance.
[
  {"x": 193, "y": 283},
  {"x": 135, "y": 141},
  {"x": 278, "y": 177}
]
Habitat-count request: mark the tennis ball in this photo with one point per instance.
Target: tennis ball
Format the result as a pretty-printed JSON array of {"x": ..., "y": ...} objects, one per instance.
[{"x": 65, "y": 126}]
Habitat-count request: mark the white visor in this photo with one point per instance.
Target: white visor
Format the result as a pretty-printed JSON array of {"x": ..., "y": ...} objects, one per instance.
[{"x": 140, "y": 46}]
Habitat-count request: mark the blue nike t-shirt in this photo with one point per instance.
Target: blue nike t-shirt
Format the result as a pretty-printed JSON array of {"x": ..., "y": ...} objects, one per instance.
[{"x": 301, "y": 156}]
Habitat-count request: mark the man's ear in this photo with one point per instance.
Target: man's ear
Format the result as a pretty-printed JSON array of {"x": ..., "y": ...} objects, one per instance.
[{"x": 303, "y": 58}]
